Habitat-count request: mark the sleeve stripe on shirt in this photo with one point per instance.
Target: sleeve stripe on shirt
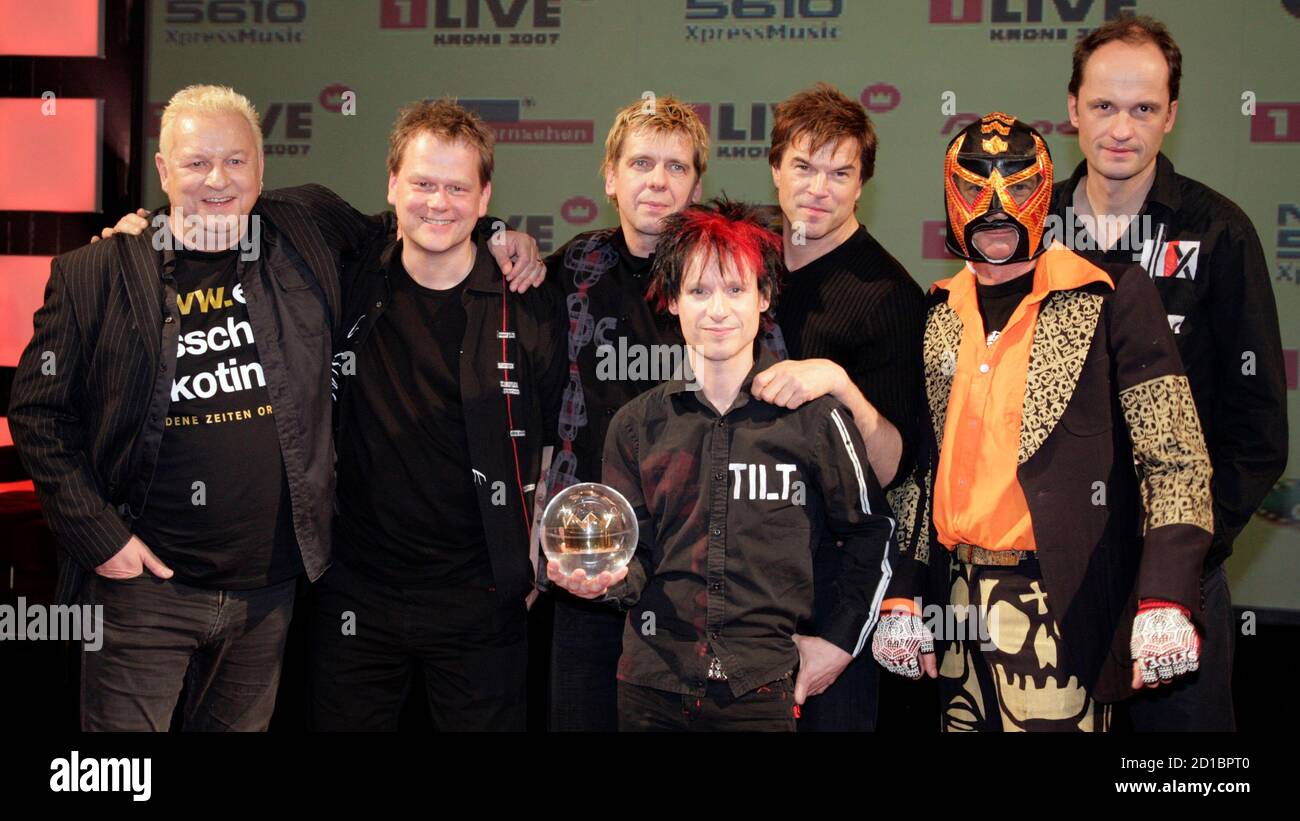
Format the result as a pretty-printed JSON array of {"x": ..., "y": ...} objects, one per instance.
[{"x": 886, "y": 572}]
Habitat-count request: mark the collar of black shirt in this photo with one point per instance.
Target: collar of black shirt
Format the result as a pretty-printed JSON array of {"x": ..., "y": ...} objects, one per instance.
[
  {"x": 485, "y": 276},
  {"x": 1164, "y": 190},
  {"x": 763, "y": 359}
]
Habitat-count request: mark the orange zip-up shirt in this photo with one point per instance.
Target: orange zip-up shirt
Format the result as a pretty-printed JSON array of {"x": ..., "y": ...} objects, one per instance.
[{"x": 977, "y": 495}]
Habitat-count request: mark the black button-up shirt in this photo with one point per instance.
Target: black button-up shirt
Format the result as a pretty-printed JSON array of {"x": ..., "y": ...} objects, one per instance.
[{"x": 731, "y": 509}]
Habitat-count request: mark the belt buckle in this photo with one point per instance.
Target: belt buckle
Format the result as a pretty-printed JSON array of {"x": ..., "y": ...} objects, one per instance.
[{"x": 974, "y": 554}]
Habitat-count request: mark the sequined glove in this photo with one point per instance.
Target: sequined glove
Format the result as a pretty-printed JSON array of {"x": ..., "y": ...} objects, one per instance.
[
  {"x": 900, "y": 640},
  {"x": 1165, "y": 644}
]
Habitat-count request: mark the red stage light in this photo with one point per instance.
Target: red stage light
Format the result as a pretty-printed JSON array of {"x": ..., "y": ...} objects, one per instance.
[
  {"x": 22, "y": 290},
  {"x": 49, "y": 154},
  {"x": 52, "y": 28}
]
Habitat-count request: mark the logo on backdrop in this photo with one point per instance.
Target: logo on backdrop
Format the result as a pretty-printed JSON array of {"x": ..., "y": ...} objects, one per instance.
[
  {"x": 737, "y": 130},
  {"x": 470, "y": 23},
  {"x": 579, "y": 210},
  {"x": 709, "y": 22},
  {"x": 1030, "y": 20},
  {"x": 880, "y": 97},
  {"x": 233, "y": 22},
  {"x": 1287, "y": 263},
  {"x": 1275, "y": 123},
  {"x": 957, "y": 122},
  {"x": 505, "y": 118},
  {"x": 286, "y": 127}
]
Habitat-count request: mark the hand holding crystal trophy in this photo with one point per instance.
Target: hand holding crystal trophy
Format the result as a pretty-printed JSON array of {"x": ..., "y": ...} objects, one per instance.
[{"x": 589, "y": 534}]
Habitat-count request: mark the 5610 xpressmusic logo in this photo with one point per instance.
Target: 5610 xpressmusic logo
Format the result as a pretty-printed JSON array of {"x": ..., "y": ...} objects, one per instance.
[
  {"x": 250, "y": 22},
  {"x": 720, "y": 21}
]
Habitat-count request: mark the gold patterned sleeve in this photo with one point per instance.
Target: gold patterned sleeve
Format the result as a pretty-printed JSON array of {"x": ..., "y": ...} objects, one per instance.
[{"x": 1169, "y": 450}]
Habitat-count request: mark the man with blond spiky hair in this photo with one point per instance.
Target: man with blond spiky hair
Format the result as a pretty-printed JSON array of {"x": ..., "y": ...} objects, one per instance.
[{"x": 655, "y": 156}]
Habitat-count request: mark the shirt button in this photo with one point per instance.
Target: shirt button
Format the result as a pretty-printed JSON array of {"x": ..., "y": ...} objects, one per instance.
[
  {"x": 714, "y": 635},
  {"x": 609, "y": 411},
  {"x": 162, "y": 366},
  {"x": 379, "y": 304},
  {"x": 716, "y": 586},
  {"x": 167, "y": 320},
  {"x": 984, "y": 368},
  {"x": 719, "y": 476},
  {"x": 717, "y": 531}
]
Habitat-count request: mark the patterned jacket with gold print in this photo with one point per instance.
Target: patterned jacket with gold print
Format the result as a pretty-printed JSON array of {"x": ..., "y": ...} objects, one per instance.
[{"x": 1111, "y": 461}]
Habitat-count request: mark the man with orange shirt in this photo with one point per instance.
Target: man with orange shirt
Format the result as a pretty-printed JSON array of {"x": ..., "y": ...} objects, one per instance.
[{"x": 1048, "y": 378}]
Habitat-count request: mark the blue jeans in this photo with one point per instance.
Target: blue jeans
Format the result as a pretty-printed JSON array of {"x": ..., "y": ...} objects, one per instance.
[{"x": 225, "y": 647}]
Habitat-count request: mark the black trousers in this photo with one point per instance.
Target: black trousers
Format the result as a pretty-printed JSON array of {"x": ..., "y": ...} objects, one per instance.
[
  {"x": 586, "y": 641},
  {"x": 225, "y": 647},
  {"x": 849, "y": 705},
  {"x": 367, "y": 637},
  {"x": 1201, "y": 701},
  {"x": 767, "y": 709}
]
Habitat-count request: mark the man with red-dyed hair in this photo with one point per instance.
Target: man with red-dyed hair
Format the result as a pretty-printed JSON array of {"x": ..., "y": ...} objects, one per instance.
[{"x": 733, "y": 497}]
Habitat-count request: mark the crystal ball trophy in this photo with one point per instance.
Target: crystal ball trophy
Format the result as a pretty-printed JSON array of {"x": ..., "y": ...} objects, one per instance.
[{"x": 589, "y": 526}]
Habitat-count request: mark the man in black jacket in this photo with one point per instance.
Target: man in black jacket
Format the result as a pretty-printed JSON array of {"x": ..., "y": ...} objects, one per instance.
[
  {"x": 1208, "y": 266},
  {"x": 448, "y": 387},
  {"x": 173, "y": 411}
]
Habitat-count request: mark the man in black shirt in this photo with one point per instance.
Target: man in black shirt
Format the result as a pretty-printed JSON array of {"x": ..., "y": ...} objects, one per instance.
[
  {"x": 448, "y": 385},
  {"x": 733, "y": 496},
  {"x": 1125, "y": 203},
  {"x": 853, "y": 316}
]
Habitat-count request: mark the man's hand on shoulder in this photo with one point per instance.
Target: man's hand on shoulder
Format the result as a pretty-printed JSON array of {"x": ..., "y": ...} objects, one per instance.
[
  {"x": 133, "y": 224},
  {"x": 517, "y": 255}
]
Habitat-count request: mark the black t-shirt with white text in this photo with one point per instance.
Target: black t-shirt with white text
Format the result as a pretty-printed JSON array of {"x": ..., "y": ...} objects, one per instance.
[{"x": 218, "y": 511}]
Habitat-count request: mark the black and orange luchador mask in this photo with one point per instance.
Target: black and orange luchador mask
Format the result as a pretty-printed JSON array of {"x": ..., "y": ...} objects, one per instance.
[{"x": 997, "y": 174}]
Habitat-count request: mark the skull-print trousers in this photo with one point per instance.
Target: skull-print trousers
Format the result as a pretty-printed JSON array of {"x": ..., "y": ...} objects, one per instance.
[{"x": 1004, "y": 669}]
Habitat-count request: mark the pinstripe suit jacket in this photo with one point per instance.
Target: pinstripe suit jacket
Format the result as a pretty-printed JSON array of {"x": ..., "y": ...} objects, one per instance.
[{"x": 91, "y": 391}]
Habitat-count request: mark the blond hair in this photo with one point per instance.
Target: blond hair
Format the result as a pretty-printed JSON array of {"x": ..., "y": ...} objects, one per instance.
[
  {"x": 207, "y": 99},
  {"x": 662, "y": 115}
]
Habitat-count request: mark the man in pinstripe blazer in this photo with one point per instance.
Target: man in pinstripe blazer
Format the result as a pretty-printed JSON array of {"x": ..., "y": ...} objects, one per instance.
[{"x": 173, "y": 409}]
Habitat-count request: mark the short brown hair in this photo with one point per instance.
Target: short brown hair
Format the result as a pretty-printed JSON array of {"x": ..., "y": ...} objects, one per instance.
[
  {"x": 663, "y": 115},
  {"x": 826, "y": 116},
  {"x": 1130, "y": 29},
  {"x": 448, "y": 120}
]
